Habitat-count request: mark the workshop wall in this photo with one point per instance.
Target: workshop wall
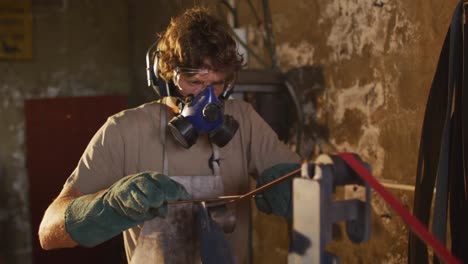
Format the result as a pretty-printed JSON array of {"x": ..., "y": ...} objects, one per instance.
[
  {"x": 362, "y": 71},
  {"x": 377, "y": 59},
  {"x": 79, "y": 48}
]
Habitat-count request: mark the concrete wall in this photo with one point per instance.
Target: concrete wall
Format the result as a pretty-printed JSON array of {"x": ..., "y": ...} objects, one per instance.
[{"x": 362, "y": 70}]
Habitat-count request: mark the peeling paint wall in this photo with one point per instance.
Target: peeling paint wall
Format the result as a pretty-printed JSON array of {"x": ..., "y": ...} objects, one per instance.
[
  {"x": 73, "y": 55},
  {"x": 377, "y": 59}
]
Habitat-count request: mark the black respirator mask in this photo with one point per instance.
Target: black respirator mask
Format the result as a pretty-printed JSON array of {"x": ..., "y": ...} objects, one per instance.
[{"x": 199, "y": 114}]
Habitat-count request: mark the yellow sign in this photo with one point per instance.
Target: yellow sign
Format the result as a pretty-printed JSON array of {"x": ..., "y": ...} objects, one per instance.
[{"x": 15, "y": 29}]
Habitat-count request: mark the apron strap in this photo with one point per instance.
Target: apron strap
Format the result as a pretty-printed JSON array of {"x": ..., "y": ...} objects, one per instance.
[
  {"x": 215, "y": 159},
  {"x": 162, "y": 135}
]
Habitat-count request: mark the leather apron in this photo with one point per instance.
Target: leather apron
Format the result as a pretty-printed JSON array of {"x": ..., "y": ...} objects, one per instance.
[{"x": 174, "y": 239}]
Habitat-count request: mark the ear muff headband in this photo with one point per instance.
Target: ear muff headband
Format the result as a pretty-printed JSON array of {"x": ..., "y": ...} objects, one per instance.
[{"x": 160, "y": 86}]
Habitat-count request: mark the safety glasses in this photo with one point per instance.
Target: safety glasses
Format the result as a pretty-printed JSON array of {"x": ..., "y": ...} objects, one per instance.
[
  {"x": 185, "y": 81},
  {"x": 190, "y": 71}
]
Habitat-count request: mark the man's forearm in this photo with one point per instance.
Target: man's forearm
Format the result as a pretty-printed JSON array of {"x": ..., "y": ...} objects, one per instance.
[{"x": 52, "y": 233}]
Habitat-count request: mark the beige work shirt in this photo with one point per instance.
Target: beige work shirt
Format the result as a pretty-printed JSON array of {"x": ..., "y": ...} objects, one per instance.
[{"x": 129, "y": 142}]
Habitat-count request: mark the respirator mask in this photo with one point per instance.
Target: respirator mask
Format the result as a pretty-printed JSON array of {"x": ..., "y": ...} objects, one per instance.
[{"x": 202, "y": 113}]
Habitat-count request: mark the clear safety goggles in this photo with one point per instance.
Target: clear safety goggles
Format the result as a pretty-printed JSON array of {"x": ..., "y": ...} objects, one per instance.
[
  {"x": 181, "y": 74},
  {"x": 190, "y": 71}
]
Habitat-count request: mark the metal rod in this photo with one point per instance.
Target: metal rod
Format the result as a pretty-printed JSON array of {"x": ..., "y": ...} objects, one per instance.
[
  {"x": 213, "y": 199},
  {"x": 268, "y": 185},
  {"x": 236, "y": 198}
]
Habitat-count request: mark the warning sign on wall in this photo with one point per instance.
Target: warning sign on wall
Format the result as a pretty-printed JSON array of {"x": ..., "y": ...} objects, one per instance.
[{"x": 15, "y": 29}]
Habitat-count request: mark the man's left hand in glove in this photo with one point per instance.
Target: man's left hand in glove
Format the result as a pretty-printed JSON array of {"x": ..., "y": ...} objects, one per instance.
[{"x": 276, "y": 199}]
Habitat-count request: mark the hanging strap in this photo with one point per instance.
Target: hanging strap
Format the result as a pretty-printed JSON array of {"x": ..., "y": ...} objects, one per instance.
[
  {"x": 439, "y": 226},
  {"x": 434, "y": 146},
  {"x": 428, "y": 157},
  {"x": 459, "y": 159}
]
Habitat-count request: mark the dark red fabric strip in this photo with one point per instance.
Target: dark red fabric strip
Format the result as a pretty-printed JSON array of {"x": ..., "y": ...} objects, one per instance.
[{"x": 409, "y": 219}]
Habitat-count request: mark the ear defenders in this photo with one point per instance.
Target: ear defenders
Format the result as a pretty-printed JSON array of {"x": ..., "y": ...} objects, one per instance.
[{"x": 160, "y": 86}]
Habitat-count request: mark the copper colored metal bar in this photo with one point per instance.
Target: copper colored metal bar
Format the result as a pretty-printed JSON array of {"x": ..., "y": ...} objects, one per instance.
[
  {"x": 268, "y": 185},
  {"x": 236, "y": 198},
  {"x": 215, "y": 199}
]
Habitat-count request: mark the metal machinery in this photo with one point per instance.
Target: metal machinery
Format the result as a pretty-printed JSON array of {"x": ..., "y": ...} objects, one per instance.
[
  {"x": 315, "y": 210},
  {"x": 271, "y": 96}
]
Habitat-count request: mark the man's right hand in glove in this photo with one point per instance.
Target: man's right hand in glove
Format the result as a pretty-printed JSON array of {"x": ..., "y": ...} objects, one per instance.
[
  {"x": 94, "y": 218},
  {"x": 143, "y": 196}
]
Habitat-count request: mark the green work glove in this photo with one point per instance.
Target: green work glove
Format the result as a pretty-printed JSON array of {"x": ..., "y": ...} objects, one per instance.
[
  {"x": 94, "y": 218},
  {"x": 277, "y": 198}
]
